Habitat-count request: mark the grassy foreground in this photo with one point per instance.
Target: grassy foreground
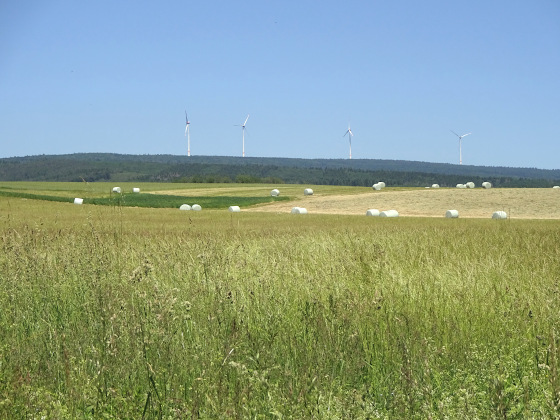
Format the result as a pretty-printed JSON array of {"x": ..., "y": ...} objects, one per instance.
[{"x": 112, "y": 312}]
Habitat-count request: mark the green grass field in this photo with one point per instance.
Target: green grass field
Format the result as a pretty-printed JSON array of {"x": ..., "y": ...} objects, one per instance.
[{"x": 127, "y": 312}]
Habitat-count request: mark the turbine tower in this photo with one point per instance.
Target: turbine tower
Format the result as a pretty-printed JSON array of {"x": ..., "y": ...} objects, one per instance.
[
  {"x": 243, "y": 133},
  {"x": 188, "y": 134},
  {"x": 350, "y": 134},
  {"x": 460, "y": 140}
]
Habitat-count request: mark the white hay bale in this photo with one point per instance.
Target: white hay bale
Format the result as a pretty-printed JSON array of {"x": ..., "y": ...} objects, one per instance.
[
  {"x": 372, "y": 212},
  {"x": 435, "y": 185},
  {"x": 376, "y": 187},
  {"x": 486, "y": 185},
  {"x": 556, "y": 187},
  {"x": 452, "y": 214},
  {"x": 196, "y": 207},
  {"x": 389, "y": 213},
  {"x": 308, "y": 191},
  {"x": 185, "y": 207},
  {"x": 274, "y": 193},
  {"x": 234, "y": 209},
  {"x": 78, "y": 201},
  {"x": 470, "y": 185},
  {"x": 136, "y": 190},
  {"x": 381, "y": 184},
  {"x": 299, "y": 210},
  {"x": 499, "y": 215},
  {"x": 117, "y": 190},
  {"x": 461, "y": 186}
]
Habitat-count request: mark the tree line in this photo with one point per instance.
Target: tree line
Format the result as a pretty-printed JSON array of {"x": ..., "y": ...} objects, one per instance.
[{"x": 215, "y": 169}]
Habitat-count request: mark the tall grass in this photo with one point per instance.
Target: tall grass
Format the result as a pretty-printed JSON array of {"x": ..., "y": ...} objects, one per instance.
[{"x": 137, "y": 313}]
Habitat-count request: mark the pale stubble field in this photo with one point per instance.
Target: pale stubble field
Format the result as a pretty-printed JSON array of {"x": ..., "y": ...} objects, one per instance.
[{"x": 519, "y": 203}]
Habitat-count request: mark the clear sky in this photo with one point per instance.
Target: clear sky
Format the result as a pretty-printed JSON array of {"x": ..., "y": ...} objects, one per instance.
[{"x": 117, "y": 76}]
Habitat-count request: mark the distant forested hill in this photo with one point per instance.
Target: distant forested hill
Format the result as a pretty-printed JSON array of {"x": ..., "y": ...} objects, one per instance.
[{"x": 170, "y": 168}]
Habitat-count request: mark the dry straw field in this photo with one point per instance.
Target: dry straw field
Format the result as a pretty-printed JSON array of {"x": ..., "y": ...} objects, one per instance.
[{"x": 519, "y": 203}]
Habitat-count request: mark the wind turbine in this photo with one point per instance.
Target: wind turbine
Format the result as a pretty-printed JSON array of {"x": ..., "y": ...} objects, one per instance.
[
  {"x": 350, "y": 134},
  {"x": 188, "y": 134},
  {"x": 460, "y": 139},
  {"x": 243, "y": 131}
]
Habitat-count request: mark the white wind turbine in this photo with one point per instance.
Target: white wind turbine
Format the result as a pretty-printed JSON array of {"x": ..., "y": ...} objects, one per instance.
[
  {"x": 243, "y": 133},
  {"x": 460, "y": 140},
  {"x": 188, "y": 134},
  {"x": 350, "y": 134}
]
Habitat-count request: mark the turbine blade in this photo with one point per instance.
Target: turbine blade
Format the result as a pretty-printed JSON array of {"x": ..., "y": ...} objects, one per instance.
[
  {"x": 464, "y": 135},
  {"x": 246, "y": 120},
  {"x": 455, "y": 133}
]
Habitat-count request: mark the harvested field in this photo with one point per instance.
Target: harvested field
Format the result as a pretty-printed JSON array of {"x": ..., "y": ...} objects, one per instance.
[{"x": 519, "y": 203}]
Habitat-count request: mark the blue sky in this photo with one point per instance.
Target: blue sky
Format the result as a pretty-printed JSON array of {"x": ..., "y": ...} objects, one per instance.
[{"x": 117, "y": 76}]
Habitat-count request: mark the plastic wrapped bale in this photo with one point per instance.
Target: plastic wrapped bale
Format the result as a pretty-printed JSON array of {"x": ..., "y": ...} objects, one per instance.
[
  {"x": 299, "y": 210},
  {"x": 556, "y": 187},
  {"x": 452, "y": 214},
  {"x": 308, "y": 191},
  {"x": 196, "y": 207},
  {"x": 389, "y": 213},
  {"x": 376, "y": 187},
  {"x": 117, "y": 190},
  {"x": 499, "y": 215},
  {"x": 78, "y": 201},
  {"x": 234, "y": 209},
  {"x": 185, "y": 207},
  {"x": 469, "y": 184},
  {"x": 486, "y": 185},
  {"x": 274, "y": 193},
  {"x": 461, "y": 186},
  {"x": 381, "y": 184},
  {"x": 435, "y": 185},
  {"x": 372, "y": 212},
  {"x": 136, "y": 190}
]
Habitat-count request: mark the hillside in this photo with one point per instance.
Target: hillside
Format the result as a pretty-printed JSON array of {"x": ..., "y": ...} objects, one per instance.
[{"x": 171, "y": 168}]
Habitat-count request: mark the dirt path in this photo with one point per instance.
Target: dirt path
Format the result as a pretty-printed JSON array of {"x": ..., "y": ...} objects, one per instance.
[{"x": 520, "y": 203}]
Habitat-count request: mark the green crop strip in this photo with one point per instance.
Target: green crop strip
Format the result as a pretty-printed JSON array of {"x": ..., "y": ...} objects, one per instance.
[{"x": 154, "y": 200}]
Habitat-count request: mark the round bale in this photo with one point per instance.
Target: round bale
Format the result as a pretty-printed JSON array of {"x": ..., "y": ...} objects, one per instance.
[
  {"x": 499, "y": 215},
  {"x": 299, "y": 210},
  {"x": 389, "y": 213},
  {"x": 452, "y": 214},
  {"x": 308, "y": 191},
  {"x": 234, "y": 209},
  {"x": 470, "y": 184},
  {"x": 376, "y": 187},
  {"x": 136, "y": 190},
  {"x": 372, "y": 212},
  {"x": 486, "y": 185},
  {"x": 381, "y": 184},
  {"x": 556, "y": 187},
  {"x": 78, "y": 201},
  {"x": 196, "y": 207},
  {"x": 461, "y": 186},
  {"x": 117, "y": 190},
  {"x": 185, "y": 207},
  {"x": 435, "y": 185},
  {"x": 274, "y": 193}
]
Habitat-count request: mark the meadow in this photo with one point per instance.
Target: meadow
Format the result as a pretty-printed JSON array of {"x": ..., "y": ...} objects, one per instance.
[{"x": 130, "y": 312}]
